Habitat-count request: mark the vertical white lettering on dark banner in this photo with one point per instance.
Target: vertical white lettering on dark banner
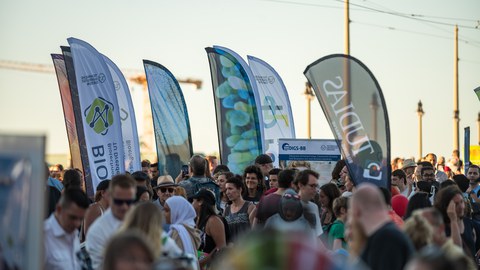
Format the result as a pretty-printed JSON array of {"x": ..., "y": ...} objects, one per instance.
[{"x": 347, "y": 113}]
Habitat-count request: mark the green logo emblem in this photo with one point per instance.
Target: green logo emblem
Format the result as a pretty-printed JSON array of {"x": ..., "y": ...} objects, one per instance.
[{"x": 99, "y": 115}]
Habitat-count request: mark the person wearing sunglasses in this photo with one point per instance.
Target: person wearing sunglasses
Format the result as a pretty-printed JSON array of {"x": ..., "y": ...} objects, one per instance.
[
  {"x": 165, "y": 189},
  {"x": 122, "y": 192}
]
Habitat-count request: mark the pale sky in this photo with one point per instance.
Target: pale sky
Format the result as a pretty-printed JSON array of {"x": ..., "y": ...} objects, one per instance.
[{"x": 411, "y": 63}]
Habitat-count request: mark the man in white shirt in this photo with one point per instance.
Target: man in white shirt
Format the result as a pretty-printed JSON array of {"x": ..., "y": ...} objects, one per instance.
[
  {"x": 307, "y": 181},
  {"x": 122, "y": 195},
  {"x": 60, "y": 231}
]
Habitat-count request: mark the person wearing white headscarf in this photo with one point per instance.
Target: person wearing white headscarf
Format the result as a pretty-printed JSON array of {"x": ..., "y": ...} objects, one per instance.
[{"x": 181, "y": 214}]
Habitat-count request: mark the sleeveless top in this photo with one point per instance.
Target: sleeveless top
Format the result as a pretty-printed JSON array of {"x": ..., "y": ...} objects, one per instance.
[
  {"x": 81, "y": 234},
  {"x": 237, "y": 222},
  {"x": 207, "y": 243}
]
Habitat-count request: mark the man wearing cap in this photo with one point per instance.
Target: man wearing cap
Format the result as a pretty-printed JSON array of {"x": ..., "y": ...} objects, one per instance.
[
  {"x": 268, "y": 205},
  {"x": 265, "y": 163},
  {"x": 165, "y": 189}
]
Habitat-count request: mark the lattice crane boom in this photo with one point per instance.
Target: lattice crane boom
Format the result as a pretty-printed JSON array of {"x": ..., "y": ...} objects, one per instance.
[{"x": 134, "y": 75}]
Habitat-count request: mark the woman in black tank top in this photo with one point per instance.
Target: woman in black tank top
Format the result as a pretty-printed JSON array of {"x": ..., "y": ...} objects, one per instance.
[{"x": 213, "y": 236}]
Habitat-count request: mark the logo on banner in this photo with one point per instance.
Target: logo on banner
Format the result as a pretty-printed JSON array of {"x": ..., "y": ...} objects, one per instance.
[
  {"x": 326, "y": 147},
  {"x": 270, "y": 109},
  {"x": 99, "y": 115},
  {"x": 265, "y": 79},
  {"x": 94, "y": 79},
  {"x": 288, "y": 147},
  {"x": 372, "y": 171}
]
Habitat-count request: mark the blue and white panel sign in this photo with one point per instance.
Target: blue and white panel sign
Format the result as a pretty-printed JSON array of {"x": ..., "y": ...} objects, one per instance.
[
  {"x": 308, "y": 150},
  {"x": 321, "y": 155}
]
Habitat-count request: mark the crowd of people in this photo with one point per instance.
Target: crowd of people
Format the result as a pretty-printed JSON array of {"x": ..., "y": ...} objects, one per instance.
[{"x": 266, "y": 218}]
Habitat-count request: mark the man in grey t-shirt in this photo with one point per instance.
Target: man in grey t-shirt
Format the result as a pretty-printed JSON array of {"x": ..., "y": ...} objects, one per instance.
[{"x": 307, "y": 181}]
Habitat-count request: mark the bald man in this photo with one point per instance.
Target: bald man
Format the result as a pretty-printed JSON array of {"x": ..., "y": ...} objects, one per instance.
[{"x": 386, "y": 247}]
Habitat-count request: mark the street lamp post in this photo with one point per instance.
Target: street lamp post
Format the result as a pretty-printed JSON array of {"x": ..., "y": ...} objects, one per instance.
[
  {"x": 309, "y": 96},
  {"x": 478, "y": 128},
  {"x": 420, "y": 113}
]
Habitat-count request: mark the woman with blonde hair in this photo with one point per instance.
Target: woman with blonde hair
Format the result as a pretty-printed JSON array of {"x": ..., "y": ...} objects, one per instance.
[
  {"x": 180, "y": 191},
  {"x": 128, "y": 250},
  {"x": 147, "y": 218},
  {"x": 418, "y": 230}
]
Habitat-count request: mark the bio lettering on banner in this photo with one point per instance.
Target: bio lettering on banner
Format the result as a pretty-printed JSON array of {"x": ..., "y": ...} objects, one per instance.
[{"x": 101, "y": 117}]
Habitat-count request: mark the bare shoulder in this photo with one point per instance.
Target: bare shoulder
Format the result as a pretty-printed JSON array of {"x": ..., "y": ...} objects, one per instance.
[{"x": 251, "y": 206}]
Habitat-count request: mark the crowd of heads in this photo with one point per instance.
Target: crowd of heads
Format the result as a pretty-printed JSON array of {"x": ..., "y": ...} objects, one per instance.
[{"x": 431, "y": 203}]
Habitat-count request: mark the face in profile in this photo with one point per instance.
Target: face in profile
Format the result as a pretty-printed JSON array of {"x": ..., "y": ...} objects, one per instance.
[
  {"x": 324, "y": 200},
  {"x": 167, "y": 212},
  {"x": 221, "y": 180},
  {"x": 273, "y": 181},
  {"x": 232, "y": 191},
  {"x": 145, "y": 197}
]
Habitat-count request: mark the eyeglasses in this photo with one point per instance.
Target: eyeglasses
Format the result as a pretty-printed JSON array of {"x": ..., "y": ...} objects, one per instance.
[
  {"x": 120, "y": 202},
  {"x": 170, "y": 190}
]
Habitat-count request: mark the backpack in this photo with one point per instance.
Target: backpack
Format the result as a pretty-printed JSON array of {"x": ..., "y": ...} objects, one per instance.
[
  {"x": 475, "y": 206},
  {"x": 210, "y": 185}
]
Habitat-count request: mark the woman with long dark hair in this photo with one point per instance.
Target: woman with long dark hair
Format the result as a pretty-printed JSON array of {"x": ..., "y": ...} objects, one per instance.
[
  {"x": 328, "y": 193},
  {"x": 221, "y": 180},
  {"x": 213, "y": 235},
  {"x": 96, "y": 209}
]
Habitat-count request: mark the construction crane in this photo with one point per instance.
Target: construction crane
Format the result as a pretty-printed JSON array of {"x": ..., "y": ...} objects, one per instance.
[{"x": 133, "y": 75}]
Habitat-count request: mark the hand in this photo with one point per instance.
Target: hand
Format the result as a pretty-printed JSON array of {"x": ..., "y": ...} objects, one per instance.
[
  {"x": 451, "y": 213},
  {"x": 410, "y": 179},
  {"x": 469, "y": 189},
  {"x": 179, "y": 177}
]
